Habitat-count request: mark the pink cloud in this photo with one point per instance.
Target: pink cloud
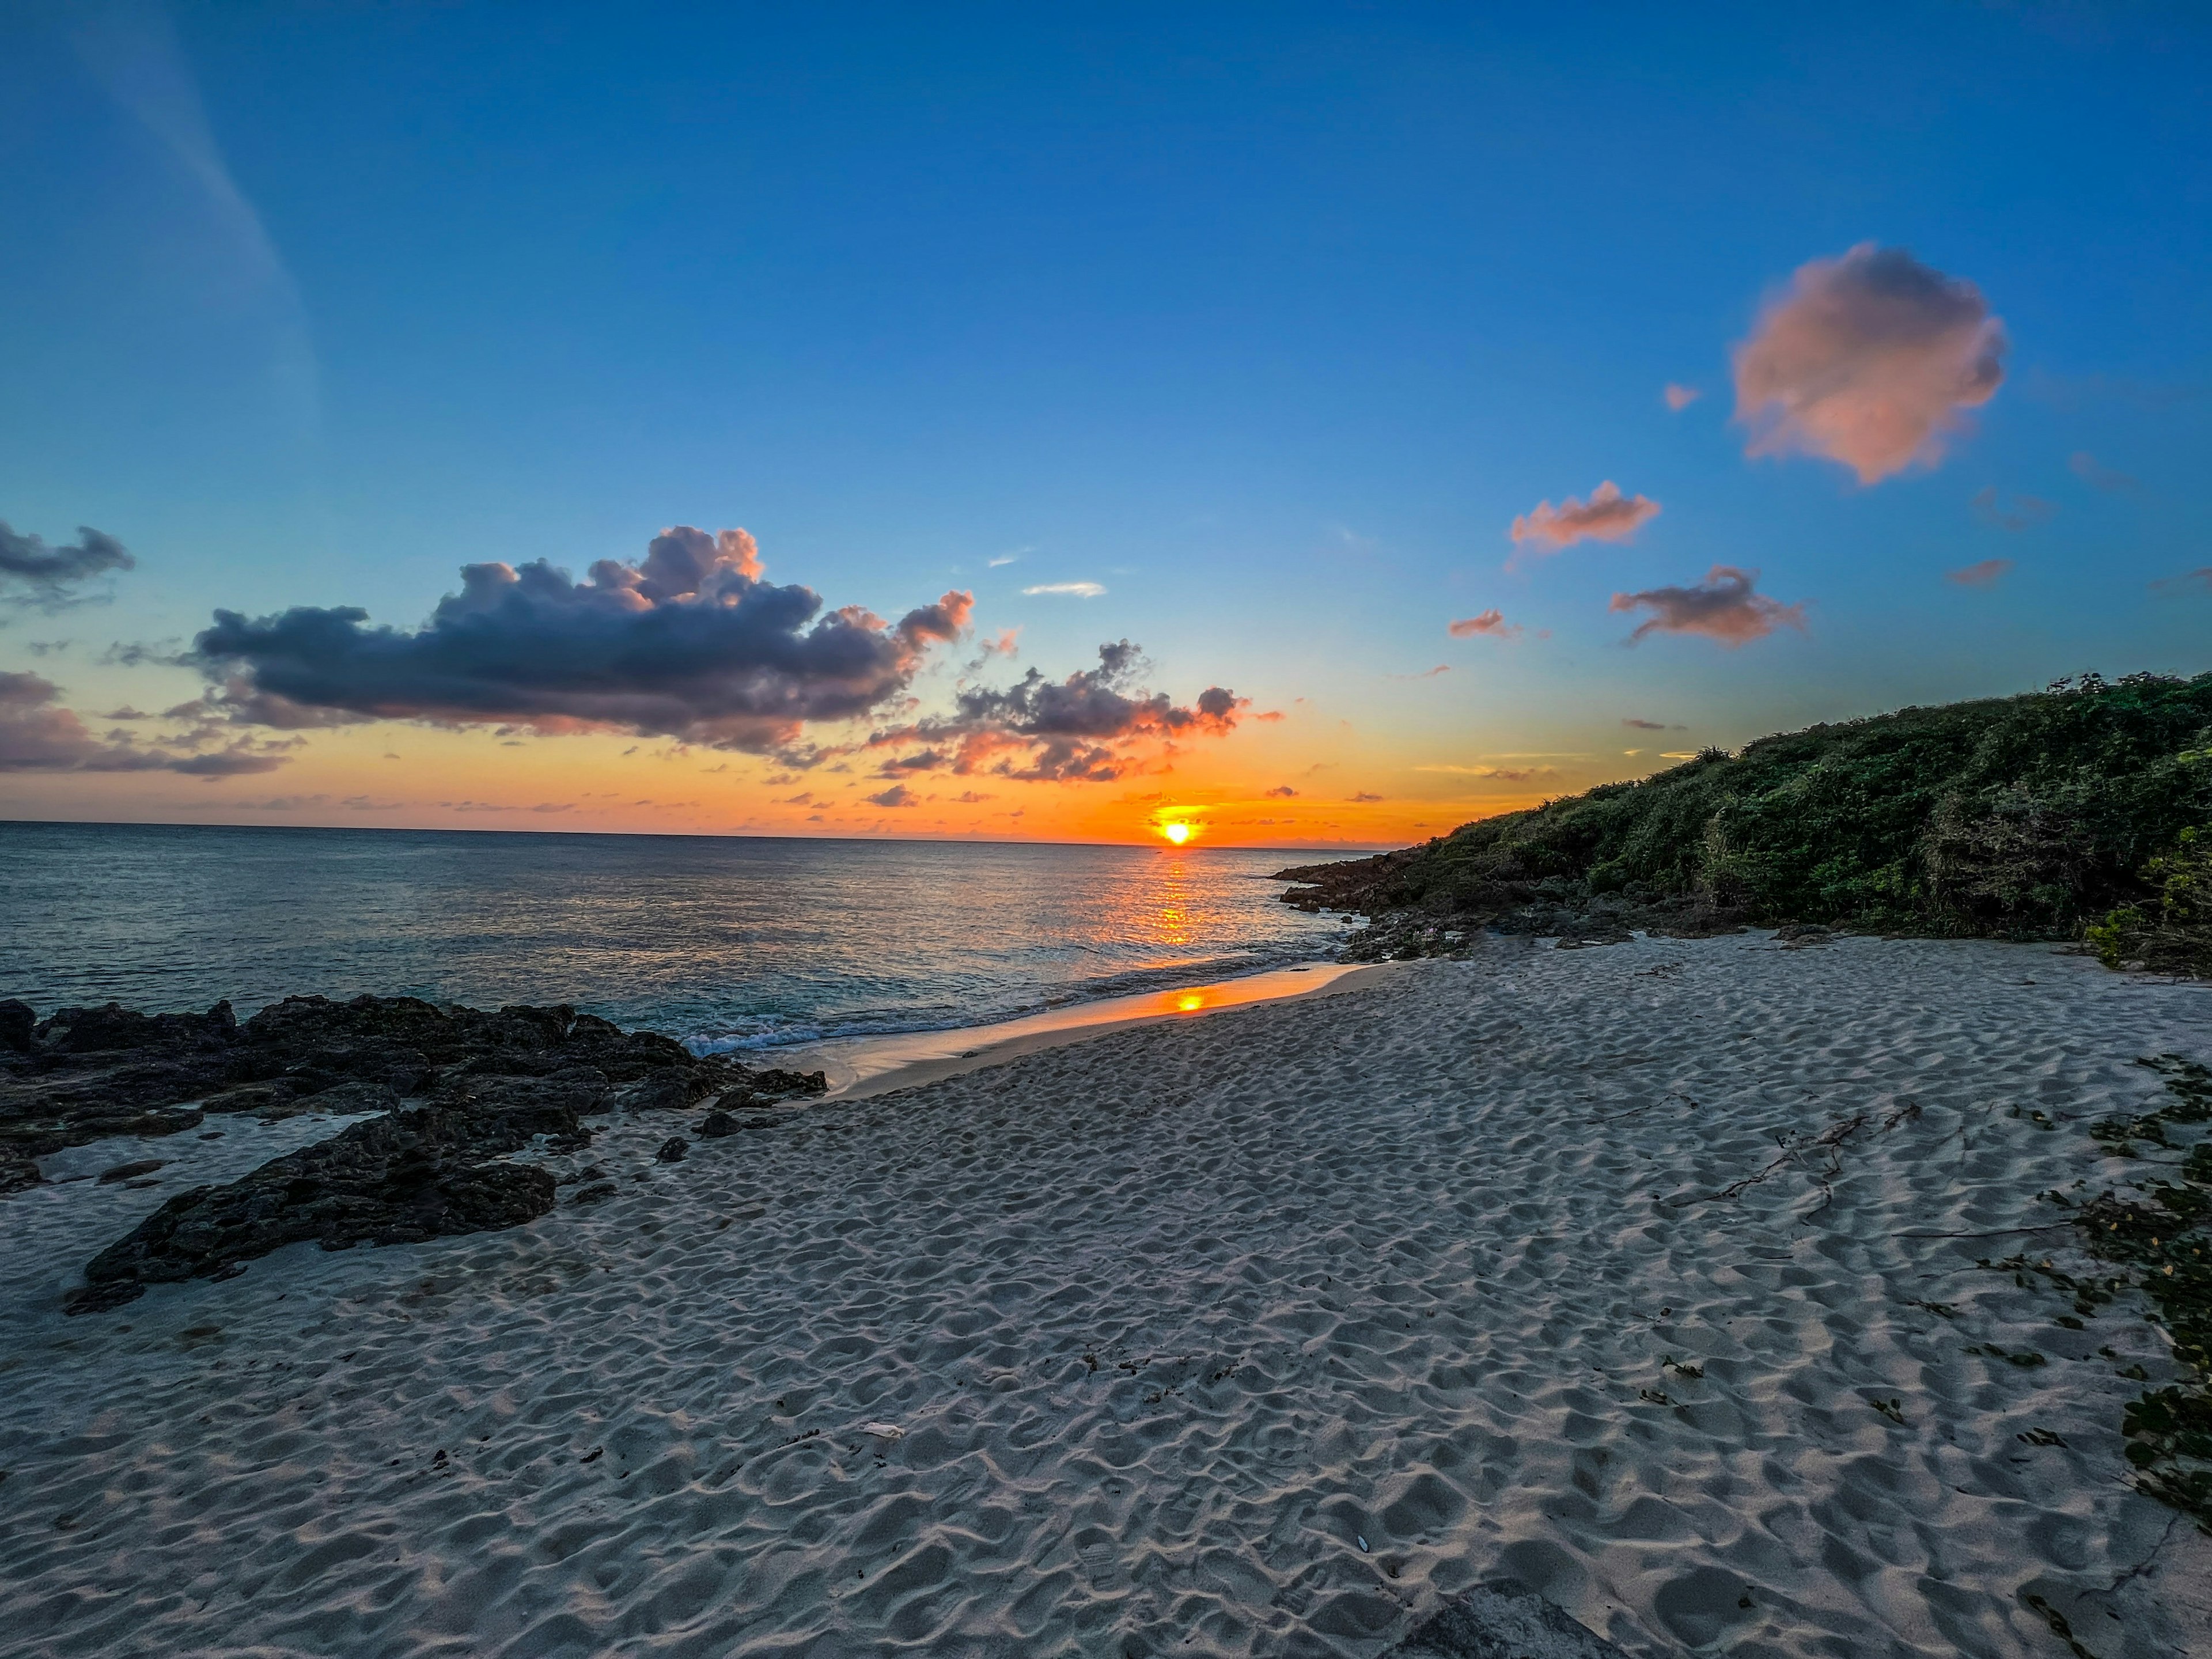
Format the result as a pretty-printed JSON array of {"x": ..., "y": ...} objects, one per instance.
[
  {"x": 1723, "y": 607},
  {"x": 1868, "y": 360},
  {"x": 1607, "y": 516},
  {"x": 1983, "y": 574},
  {"x": 2095, "y": 474},
  {"x": 1679, "y": 397},
  {"x": 1491, "y": 622},
  {"x": 2025, "y": 511}
]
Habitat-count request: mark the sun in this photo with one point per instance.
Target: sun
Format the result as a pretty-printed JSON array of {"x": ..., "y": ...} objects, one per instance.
[{"x": 1178, "y": 832}]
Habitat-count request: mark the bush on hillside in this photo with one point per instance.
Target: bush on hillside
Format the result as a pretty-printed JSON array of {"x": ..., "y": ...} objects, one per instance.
[{"x": 2025, "y": 817}]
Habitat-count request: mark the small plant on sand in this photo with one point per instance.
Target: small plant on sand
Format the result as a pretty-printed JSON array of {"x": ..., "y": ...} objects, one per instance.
[{"x": 2162, "y": 1235}]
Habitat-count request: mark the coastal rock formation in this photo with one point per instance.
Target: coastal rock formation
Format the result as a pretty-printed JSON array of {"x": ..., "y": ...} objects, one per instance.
[
  {"x": 450, "y": 1092},
  {"x": 85, "y": 1073},
  {"x": 396, "y": 1179}
]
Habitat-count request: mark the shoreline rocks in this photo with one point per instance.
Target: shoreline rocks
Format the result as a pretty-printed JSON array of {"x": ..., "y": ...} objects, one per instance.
[{"x": 452, "y": 1091}]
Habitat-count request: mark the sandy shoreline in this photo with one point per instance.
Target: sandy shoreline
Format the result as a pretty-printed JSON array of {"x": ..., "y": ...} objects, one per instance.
[
  {"x": 1167, "y": 1321},
  {"x": 858, "y": 1068}
]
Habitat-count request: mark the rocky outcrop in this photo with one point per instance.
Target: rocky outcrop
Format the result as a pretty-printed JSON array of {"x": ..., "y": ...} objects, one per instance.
[
  {"x": 398, "y": 1179},
  {"x": 85, "y": 1073},
  {"x": 451, "y": 1093}
]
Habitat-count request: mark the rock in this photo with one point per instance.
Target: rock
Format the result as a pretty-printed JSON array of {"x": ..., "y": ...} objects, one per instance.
[
  {"x": 672, "y": 1149},
  {"x": 130, "y": 1171},
  {"x": 592, "y": 1194},
  {"x": 396, "y": 1179},
  {"x": 1502, "y": 1619},
  {"x": 18, "y": 1171},
  {"x": 774, "y": 1082},
  {"x": 716, "y": 1124},
  {"x": 85, "y": 1073}
]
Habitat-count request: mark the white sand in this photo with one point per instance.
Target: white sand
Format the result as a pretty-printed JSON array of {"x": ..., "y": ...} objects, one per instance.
[{"x": 1167, "y": 1321}]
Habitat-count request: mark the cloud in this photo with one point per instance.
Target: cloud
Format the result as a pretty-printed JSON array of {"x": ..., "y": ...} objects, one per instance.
[
  {"x": 1363, "y": 799},
  {"x": 1607, "y": 516},
  {"x": 2095, "y": 473},
  {"x": 2026, "y": 510},
  {"x": 1072, "y": 590},
  {"x": 133, "y": 51},
  {"x": 970, "y": 797},
  {"x": 2200, "y": 577},
  {"x": 691, "y": 643},
  {"x": 1982, "y": 574},
  {"x": 898, "y": 795},
  {"x": 1508, "y": 775},
  {"x": 1635, "y": 725},
  {"x": 1091, "y": 727},
  {"x": 38, "y": 735},
  {"x": 1425, "y": 674},
  {"x": 31, "y": 572},
  {"x": 1723, "y": 607},
  {"x": 1679, "y": 397},
  {"x": 1489, "y": 624},
  {"x": 1869, "y": 359},
  {"x": 1282, "y": 792},
  {"x": 1008, "y": 558},
  {"x": 364, "y": 804}
]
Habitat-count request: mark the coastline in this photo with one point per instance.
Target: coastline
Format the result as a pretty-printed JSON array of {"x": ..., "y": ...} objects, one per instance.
[
  {"x": 859, "y": 1068},
  {"x": 1657, "y": 1276}
]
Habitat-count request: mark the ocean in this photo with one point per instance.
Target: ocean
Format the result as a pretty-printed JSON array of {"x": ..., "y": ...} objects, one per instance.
[{"x": 729, "y": 942}]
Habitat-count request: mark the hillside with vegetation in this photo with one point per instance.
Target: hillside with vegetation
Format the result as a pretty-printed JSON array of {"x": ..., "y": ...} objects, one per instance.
[{"x": 2082, "y": 812}]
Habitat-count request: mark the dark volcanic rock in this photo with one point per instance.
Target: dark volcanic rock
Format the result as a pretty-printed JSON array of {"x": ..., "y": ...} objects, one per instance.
[
  {"x": 17, "y": 1022},
  {"x": 672, "y": 1149},
  {"x": 88, "y": 1072},
  {"x": 1503, "y": 1619},
  {"x": 396, "y": 1179},
  {"x": 715, "y": 1125},
  {"x": 130, "y": 1171},
  {"x": 18, "y": 1171}
]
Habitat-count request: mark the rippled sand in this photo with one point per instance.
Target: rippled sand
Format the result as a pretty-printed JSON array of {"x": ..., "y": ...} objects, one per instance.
[{"x": 1153, "y": 1331}]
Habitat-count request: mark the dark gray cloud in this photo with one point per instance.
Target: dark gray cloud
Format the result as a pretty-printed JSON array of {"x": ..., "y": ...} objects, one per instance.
[
  {"x": 34, "y": 574},
  {"x": 1091, "y": 727},
  {"x": 1723, "y": 607},
  {"x": 691, "y": 642},
  {"x": 1635, "y": 724},
  {"x": 37, "y": 734},
  {"x": 898, "y": 795}
]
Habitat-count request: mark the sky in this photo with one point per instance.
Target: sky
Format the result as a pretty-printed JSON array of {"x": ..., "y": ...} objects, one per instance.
[{"x": 1316, "y": 425}]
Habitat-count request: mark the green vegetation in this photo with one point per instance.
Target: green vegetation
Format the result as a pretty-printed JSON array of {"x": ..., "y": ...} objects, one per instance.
[{"x": 2032, "y": 817}]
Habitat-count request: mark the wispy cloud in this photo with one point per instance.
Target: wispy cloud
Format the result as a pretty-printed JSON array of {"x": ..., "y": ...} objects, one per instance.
[
  {"x": 37, "y": 734},
  {"x": 2025, "y": 512},
  {"x": 1363, "y": 799},
  {"x": 2200, "y": 578},
  {"x": 1724, "y": 607},
  {"x": 2095, "y": 474},
  {"x": 1423, "y": 674},
  {"x": 1984, "y": 573},
  {"x": 1679, "y": 397},
  {"x": 1635, "y": 725},
  {"x": 1068, "y": 590},
  {"x": 1869, "y": 359},
  {"x": 1488, "y": 624},
  {"x": 133, "y": 51},
  {"x": 1607, "y": 516}
]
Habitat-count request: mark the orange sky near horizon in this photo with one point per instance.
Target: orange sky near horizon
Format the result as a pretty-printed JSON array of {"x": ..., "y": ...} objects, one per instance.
[{"x": 1254, "y": 788}]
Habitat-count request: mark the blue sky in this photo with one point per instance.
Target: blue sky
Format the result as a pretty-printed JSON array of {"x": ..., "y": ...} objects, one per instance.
[{"x": 1268, "y": 320}]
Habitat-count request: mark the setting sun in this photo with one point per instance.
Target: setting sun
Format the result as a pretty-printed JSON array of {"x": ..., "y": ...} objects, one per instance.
[{"x": 1177, "y": 833}]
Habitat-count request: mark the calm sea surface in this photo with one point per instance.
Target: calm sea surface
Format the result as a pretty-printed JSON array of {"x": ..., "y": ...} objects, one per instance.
[{"x": 725, "y": 942}]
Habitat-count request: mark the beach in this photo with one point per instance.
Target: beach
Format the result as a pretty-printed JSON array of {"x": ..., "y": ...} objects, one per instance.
[{"x": 1645, "y": 1274}]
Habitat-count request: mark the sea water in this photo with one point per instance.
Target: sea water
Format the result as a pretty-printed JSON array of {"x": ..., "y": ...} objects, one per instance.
[{"x": 726, "y": 942}]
